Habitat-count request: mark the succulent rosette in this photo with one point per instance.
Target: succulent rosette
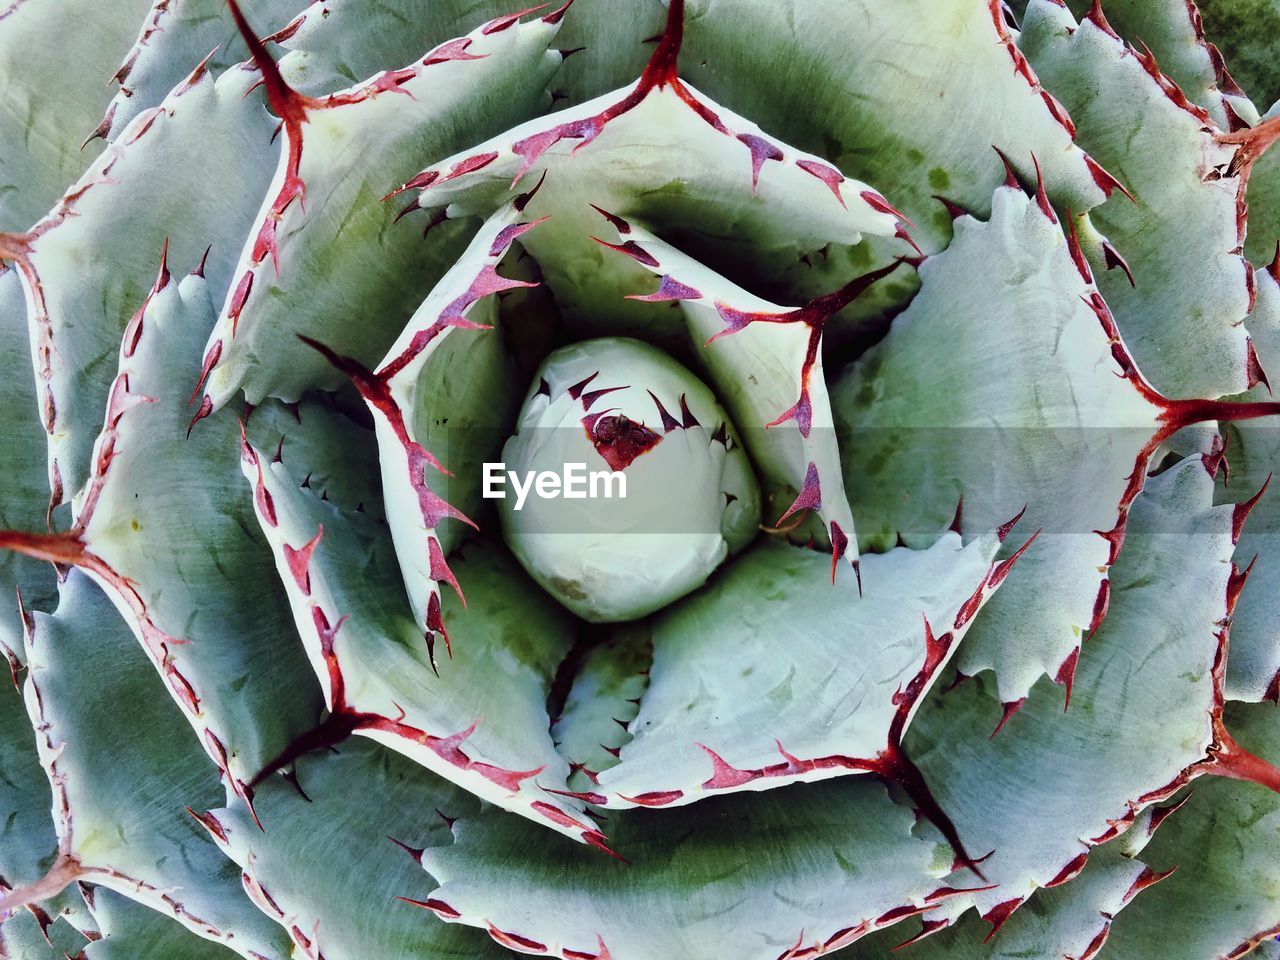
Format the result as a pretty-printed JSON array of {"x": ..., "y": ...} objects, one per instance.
[{"x": 639, "y": 479}]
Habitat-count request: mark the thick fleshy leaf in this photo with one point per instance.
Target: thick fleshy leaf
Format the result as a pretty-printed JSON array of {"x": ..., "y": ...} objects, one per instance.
[
  {"x": 119, "y": 799},
  {"x": 766, "y": 363},
  {"x": 1067, "y": 923},
  {"x": 52, "y": 101},
  {"x": 24, "y": 937},
  {"x": 25, "y": 499},
  {"x": 662, "y": 152},
  {"x": 443, "y": 399},
  {"x": 1014, "y": 392},
  {"x": 957, "y": 85},
  {"x": 1264, "y": 206},
  {"x": 28, "y": 843},
  {"x": 1242, "y": 29},
  {"x": 1168, "y": 260},
  {"x": 337, "y": 42},
  {"x": 1250, "y": 454},
  {"x": 606, "y": 680},
  {"x": 828, "y": 682},
  {"x": 1174, "y": 32},
  {"x": 187, "y": 173},
  {"x": 1145, "y": 717},
  {"x": 1224, "y": 898},
  {"x": 355, "y": 911},
  {"x": 755, "y": 877},
  {"x": 166, "y": 528},
  {"x": 176, "y": 36},
  {"x": 130, "y": 931},
  {"x": 324, "y": 249},
  {"x": 384, "y": 680}
]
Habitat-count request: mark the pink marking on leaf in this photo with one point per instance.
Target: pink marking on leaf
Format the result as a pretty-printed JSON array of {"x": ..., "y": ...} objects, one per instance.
[
  {"x": 440, "y": 571},
  {"x": 1147, "y": 878},
  {"x": 1077, "y": 253},
  {"x": 507, "y": 779},
  {"x": 669, "y": 288},
  {"x": 499, "y": 24},
  {"x": 656, "y": 798},
  {"x": 1112, "y": 259},
  {"x": 669, "y": 422},
  {"x": 449, "y": 748},
  {"x": 1066, "y": 675},
  {"x": 1042, "y": 195},
  {"x": 602, "y": 952},
  {"x": 451, "y": 50},
  {"x": 632, "y": 250},
  {"x": 238, "y": 299},
  {"x": 761, "y": 150},
  {"x": 801, "y": 412},
  {"x": 1105, "y": 181},
  {"x": 999, "y": 915},
  {"x": 810, "y": 497},
  {"x": 1010, "y": 709},
  {"x": 839, "y": 543},
  {"x": 509, "y": 233},
  {"x": 470, "y": 165},
  {"x": 878, "y": 203},
  {"x": 556, "y": 815},
  {"x": 1253, "y": 368},
  {"x": 723, "y": 776},
  {"x": 435, "y": 905},
  {"x": 617, "y": 222},
  {"x": 826, "y": 173},
  {"x": 516, "y": 942},
  {"x": 299, "y": 561},
  {"x": 1100, "y": 605},
  {"x": 1072, "y": 870},
  {"x": 1240, "y": 513}
]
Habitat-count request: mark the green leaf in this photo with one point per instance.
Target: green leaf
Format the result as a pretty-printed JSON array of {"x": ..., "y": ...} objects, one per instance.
[
  {"x": 1182, "y": 312},
  {"x": 1072, "y": 921},
  {"x": 443, "y": 399},
  {"x": 1004, "y": 394},
  {"x": 166, "y": 529},
  {"x": 1263, "y": 239},
  {"x": 753, "y": 685},
  {"x": 379, "y": 672},
  {"x": 353, "y": 911},
  {"x": 1242, "y": 29},
  {"x": 663, "y": 153},
  {"x": 1251, "y": 452},
  {"x": 1174, "y": 32},
  {"x": 608, "y": 680},
  {"x": 957, "y": 84},
  {"x": 119, "y": 797},
  {"x": 174, "y": 39},
  {"x": 130, "y": 931},
  {"x": 53, "y": 100},
  {"x": 1225, "y": 844},
  {"x": 24, "y": 937},
  {"x": 334, "y": 43},
  {"x": 766, "y": 363},
  {"x": 1144, "y": 718},
  {"x": 28, "y": 843},
  {"x": 325, "y": 247},
  {"x": 22, "y": 451},
  {"x": 750, "y": 876},
  {"x": 187, "y": 173}
]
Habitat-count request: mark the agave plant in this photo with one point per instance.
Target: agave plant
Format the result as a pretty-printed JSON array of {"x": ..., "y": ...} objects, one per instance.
[{"x": 319, "y": 652}]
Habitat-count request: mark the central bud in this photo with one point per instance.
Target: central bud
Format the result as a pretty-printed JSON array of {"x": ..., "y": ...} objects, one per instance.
[{"x": 624, "y": 485}]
